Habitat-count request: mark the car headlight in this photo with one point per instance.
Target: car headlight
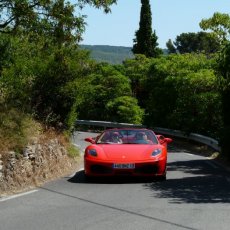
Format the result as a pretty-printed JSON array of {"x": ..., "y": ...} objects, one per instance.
[
  {"x": 156, "y": 152},
  {"x": 92, "y": 152}
]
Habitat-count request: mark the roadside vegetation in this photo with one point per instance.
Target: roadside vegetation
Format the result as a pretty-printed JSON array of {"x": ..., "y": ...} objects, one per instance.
[
  {"x": 16, "y": 129},
  {"x": 47, "y": 80}
]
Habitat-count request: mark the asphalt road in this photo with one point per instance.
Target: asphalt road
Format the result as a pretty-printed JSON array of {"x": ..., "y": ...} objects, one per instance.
[{"x": 195, "y": 196}]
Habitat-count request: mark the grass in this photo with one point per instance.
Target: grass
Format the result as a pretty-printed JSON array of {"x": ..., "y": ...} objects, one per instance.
[
  {"x": 17, "y": 129},
  {"x": 73, "y": 151}
]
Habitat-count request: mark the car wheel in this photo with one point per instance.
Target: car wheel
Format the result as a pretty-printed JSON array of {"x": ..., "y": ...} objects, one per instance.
[{"x": 163, "y": 177}]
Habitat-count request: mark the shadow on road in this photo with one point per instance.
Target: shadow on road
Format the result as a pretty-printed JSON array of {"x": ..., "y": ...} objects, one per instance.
[
  {"x": 200, "y": 184},
  {"x": 79, "y": 177}
]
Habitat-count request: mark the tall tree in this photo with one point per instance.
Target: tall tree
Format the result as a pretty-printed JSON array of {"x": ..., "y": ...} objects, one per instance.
[
  {"x": 42, "y": 43},
  {"x": 200, "y": 42},
  {"x": 170, "y": 46},
  {"x": 219, "y": 24},
  {"x": 146, "y": 40},
  {"x": 50, "y": 17}
]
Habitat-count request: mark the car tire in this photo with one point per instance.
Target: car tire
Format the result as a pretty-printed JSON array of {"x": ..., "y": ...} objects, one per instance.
[{"x": 163, "y": 177}]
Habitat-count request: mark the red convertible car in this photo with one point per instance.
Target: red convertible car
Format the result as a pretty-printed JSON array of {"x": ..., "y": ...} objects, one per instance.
[{"x": 127, "y": 152}]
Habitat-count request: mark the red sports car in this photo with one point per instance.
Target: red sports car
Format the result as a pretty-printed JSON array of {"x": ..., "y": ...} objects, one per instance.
[{"x": 127, "y": 151}]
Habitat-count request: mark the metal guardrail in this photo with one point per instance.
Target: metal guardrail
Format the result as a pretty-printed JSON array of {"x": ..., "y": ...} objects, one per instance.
[
  {"x": 192, "y": 136},
  {"x": 108, "y": 124},
  {"x": 176, "y": 133}
]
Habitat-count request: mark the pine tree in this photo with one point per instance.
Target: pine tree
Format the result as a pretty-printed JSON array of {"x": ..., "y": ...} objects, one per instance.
[
  {"x": 146, "y": 40},
  {"x": 170, "y": 46}
]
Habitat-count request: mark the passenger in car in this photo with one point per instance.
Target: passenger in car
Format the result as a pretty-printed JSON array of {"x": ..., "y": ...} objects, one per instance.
[
  {"x": 111, "y": 137},
  {"x": 142, "y": 138}
]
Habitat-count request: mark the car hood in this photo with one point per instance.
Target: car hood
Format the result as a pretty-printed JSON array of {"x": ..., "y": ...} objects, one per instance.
[{"x": 128, "y": 152}]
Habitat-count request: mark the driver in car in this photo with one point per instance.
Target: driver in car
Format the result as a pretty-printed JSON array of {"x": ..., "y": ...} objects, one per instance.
[{"x": 115, "y": 137}]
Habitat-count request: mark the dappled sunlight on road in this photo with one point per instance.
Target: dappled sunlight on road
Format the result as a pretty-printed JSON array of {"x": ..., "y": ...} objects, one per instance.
[{"x": 193, "y": 182}]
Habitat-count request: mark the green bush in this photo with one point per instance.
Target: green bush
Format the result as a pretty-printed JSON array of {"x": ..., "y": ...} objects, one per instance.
[
  {"x": 183, "y": 94},
  {"x": 125, "y": 110}
]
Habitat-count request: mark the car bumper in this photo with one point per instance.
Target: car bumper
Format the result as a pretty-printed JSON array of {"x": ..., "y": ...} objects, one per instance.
[{"x": 146, "y": 169}]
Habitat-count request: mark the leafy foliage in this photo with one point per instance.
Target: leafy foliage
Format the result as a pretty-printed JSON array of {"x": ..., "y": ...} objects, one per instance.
[
  {"x": 178, "y": 87},
  {"x": 125, "y": 109},
  {"x": 200, "y": 42},
  {"x": 219, "y": 24},
  {"x": 20, "y": 70},
  {"x": 53, "y": 95},
  {"x": 40, "y": 58},
  {"x": 53, "y": 18},
  {"x": 100, "y": 90},
  {"x": 171, "y": 47},
  {"x": 44, "y": 74},
  {"x": 224, "y": 76},
  {"x": 136, "y": 70}
]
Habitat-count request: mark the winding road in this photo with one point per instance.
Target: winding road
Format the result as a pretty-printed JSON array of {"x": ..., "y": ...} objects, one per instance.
[{"x": 195, "y": 196}]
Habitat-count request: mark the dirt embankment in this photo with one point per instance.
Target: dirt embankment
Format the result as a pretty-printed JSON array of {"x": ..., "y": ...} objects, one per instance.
[{"x": 41, "y": 161}]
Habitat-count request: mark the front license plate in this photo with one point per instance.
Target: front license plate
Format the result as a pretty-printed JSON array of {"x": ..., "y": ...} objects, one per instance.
[{"x": 124, "y": 166}]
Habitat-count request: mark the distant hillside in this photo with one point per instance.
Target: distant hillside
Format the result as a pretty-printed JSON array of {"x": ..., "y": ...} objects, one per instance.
[{"x": 110, "y": 54}]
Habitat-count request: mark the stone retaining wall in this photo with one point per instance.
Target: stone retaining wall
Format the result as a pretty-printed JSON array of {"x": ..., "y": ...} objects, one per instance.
[
  {"x": 39, "y": 163},
  {"x": 1, "y": 168}
]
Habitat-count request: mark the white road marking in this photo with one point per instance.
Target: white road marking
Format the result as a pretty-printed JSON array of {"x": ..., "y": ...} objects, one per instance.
[
  {"x": 16, "y": 196},
  {"x": 190, "y": 154},
  {"x": 208, "y": 162}
]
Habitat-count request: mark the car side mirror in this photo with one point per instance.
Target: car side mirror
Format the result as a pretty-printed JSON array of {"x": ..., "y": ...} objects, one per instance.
[
  {"x": 90, "y": 139},
  {"x": 164, "y": 140},
  {"x": 168, "y": 140}
]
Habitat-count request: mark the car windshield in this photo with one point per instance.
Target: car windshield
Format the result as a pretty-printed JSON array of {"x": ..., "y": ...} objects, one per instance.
[{"x": 127, "y": 136}]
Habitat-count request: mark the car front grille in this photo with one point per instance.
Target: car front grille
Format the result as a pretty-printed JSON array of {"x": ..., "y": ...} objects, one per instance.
[
  {"x": 100, "y": 169},
  {"x": 146, "y": 169}
]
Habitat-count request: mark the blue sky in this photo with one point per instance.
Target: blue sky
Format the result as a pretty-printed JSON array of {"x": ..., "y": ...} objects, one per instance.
[{"x": 169, "y": 19}]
